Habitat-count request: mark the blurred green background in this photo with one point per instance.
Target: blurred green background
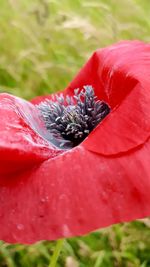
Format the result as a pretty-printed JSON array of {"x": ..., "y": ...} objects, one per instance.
[{"x": 43, "y": 44}]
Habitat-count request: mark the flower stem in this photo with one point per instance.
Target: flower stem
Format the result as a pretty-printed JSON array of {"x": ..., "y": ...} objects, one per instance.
[{"x": 56, "y": 253}]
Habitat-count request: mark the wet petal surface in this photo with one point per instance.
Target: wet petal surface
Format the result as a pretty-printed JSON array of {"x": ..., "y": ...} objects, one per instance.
[{"x": 66, "y": 197}]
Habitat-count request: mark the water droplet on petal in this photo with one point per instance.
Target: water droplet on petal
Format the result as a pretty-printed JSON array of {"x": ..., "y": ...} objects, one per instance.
[
  {"x": 20, "y": 226},
  {"x": 66, "y": 230}
]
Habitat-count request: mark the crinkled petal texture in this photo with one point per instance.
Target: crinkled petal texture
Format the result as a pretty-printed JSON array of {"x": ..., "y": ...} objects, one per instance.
[{"x": 104, "y": 180}]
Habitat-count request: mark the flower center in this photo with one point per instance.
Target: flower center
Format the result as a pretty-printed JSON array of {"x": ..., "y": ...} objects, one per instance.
[{"x": 69, "y": 120}]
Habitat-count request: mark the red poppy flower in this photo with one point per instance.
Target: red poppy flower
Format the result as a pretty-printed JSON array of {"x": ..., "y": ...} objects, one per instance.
[{"x": 47, "y": 192}]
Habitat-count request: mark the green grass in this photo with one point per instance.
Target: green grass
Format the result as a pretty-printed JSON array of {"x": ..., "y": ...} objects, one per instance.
[
  {"x": 124, "y": 245},
  {"x": 43, "y": 44}
]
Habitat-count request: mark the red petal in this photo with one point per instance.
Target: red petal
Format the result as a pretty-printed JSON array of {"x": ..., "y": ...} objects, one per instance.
[
  {"x": 110, "y": 71},
  {"x": 74, "y": 193},
  {"x": 115, "y": 70},
  {"x": 20, "y": 144},
  {"x": 79, "y": 190},
  {"x": 125, "y": 128}
]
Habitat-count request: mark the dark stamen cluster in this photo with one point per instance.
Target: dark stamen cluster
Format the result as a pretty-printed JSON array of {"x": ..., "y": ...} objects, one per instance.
[{"x": 69, "y": 120}]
